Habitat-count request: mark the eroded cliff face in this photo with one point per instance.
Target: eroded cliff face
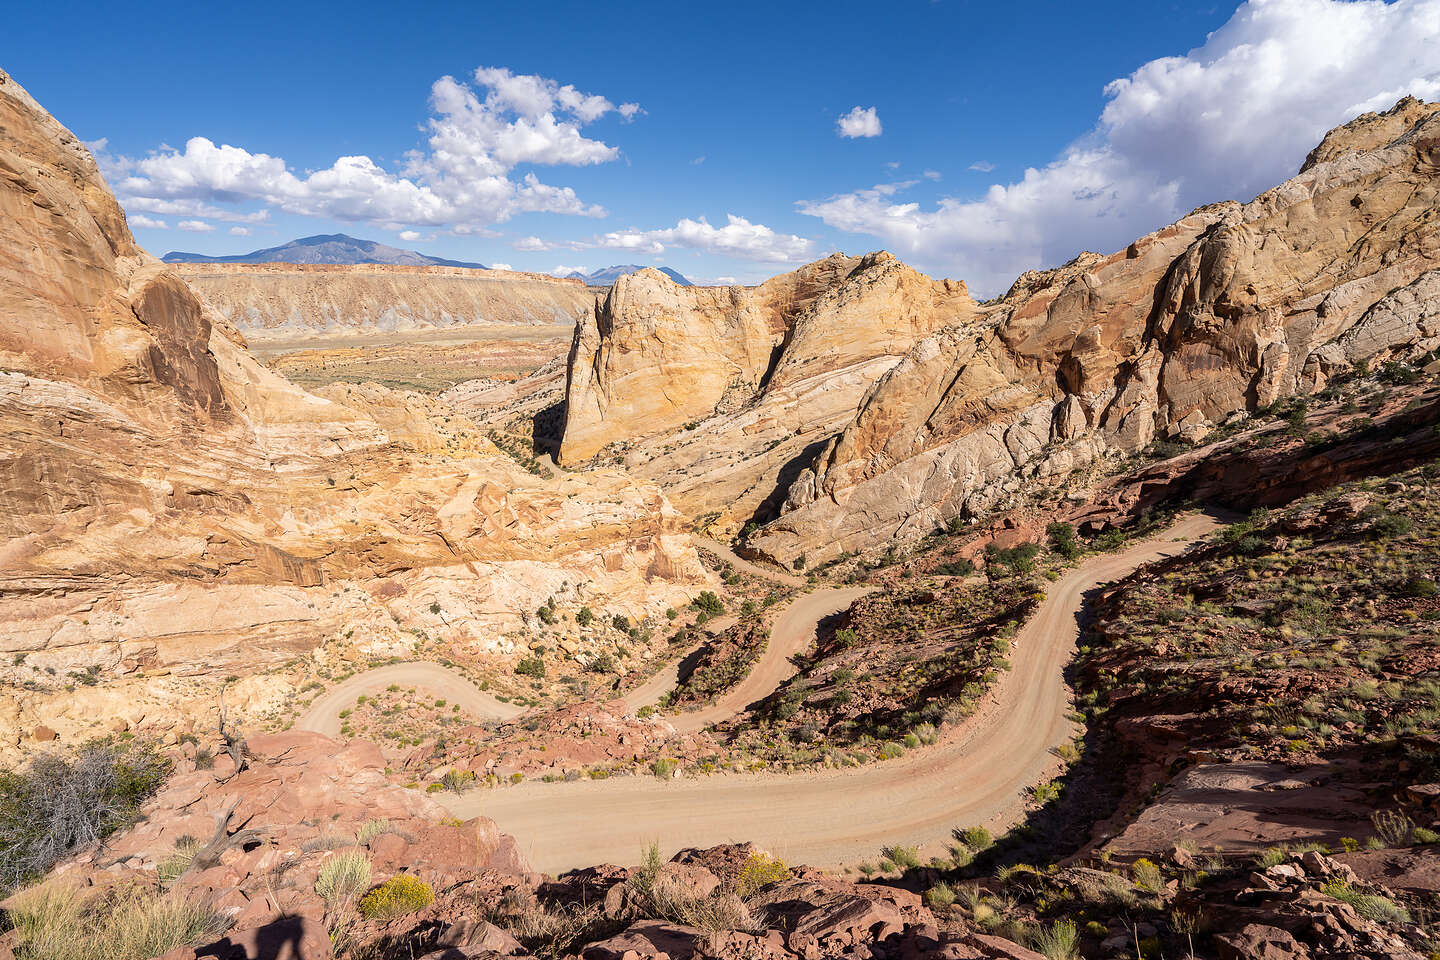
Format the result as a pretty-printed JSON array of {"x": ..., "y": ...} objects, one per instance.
[
  {"x": 171, "y": 512},
  {"x": 1220, "y": 313},
  {"x": 276, "y": 303},
  {"x": 715, "y": 393}
]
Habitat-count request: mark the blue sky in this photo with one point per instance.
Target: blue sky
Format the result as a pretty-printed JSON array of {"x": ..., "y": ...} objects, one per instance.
[{"x": 983, "y": 138}]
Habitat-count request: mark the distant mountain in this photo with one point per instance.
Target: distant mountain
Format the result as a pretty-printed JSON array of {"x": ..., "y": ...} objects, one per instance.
[
  {"x": 326, "y": 248},
  {"x": 608, "y": 275}
]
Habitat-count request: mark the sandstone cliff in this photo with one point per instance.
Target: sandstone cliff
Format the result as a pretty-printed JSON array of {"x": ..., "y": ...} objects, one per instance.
[
  {"x": 172, "y": 512},
  {"x": 1220, "y": 313},
  {"x": 712, "y": 393},
  {"x": 284, "y": 302},
  {"x": 864, "y": 401}
]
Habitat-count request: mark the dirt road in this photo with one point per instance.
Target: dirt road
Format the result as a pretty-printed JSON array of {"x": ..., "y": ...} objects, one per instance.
[
  {"x": 323, "y": 716},
  {"x": 831, "y": 818}
]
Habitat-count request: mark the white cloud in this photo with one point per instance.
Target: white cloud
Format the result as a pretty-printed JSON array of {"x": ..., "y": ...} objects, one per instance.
[
  {"x": 195, "y": 226},
  {"x": 698, "y": 160},
  {"x": 983, "y": 166},
  {"x": 531, "y": 244},
  {"x": 1226, "y": 121},
  {"x": 501, "y": 266},
  {"x": 148, "y": 223},
  {"x": 463, "y": 180},
  {"x": 566, "y": 271},
  {"x": 893, "y": 164},
  {"x": 410, "y": 235},
  {"x": 240, "y": 231},
  {"x": 737, "y": 238},
  {"x": 931, "y": 174},
  {"x": 193, "y": 208},
  {"x": 859, "y": 122}
]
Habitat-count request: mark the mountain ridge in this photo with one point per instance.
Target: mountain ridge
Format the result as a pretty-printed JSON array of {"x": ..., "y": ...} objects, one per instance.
[
  {"x": 605, "y": 276},
  {"x": 326, "y": 248}
]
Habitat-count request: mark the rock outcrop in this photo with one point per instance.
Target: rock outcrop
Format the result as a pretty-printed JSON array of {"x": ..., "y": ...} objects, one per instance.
[
  {"x": 1223, "y": 312},
  {"x": 275, "y": 303},
  {"x": 172, "y": 512},
  {"x": 862, "y": 401},
  {"x": 713, "y": 393}
]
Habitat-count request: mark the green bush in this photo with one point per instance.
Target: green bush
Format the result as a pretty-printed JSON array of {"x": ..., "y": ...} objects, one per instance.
[
  {"x": 585, "y": 616},
  {"x": 1062, "y": 540},
  {"x": 62, "y": 803},
  {"x": 531, "y": 667},
  {"x": 396, "y": 897},
  {"x": 708, "y": 603},
  {"x": 940, "y": 897},
  {"x": 976, "y": 838}
]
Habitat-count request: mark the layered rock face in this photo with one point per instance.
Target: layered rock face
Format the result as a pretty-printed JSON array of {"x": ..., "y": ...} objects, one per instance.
[
  {"x": 712, "y": 393},
  {"x": 172, "y": 513},
  {"x": 1220, "y": 313},
  {"x": 284, "y": 302}
]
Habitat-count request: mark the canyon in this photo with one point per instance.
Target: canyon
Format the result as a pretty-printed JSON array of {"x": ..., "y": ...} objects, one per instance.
[{"x": 909, "y": 588}]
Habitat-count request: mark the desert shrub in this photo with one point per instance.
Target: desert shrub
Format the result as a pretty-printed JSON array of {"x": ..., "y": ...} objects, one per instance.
[
  {"x": 1147, "y": 875},
  {"x": 531, "y": 667},
  {"x": 584, "y": 616},
  {"x": 1059, "y": 941},
  {"x": 371, "y": 829},
  {"x": 906, "y": 858},
  {"x": 57, "y": 922},
  {"x": 396, "y": 897},
  {"x": 889, "y": 750},
  {"x": 1020, "y": 558},
  {"x": 1393, "y": 827},
  {"x": 546, "y": 615},
  {"x": 1062, "y": 540},
  {"x": 1391, "y": 525},
  {"x": 760, "y": 870},
  {"x": 976, "y": 838},
  {"x": 940, "y": 897},
  {"x": 61, "y": 803},
  {"x": 663, "y": 768},
  {"x": 170, "y": 869},
  {"x": 960, "y": 567},
  {"x": 456, "y": 781},
  {"x": 708, "y": 603},
  {"x": 342, "y": 877},
  {"x": 1369, "y": 905}
]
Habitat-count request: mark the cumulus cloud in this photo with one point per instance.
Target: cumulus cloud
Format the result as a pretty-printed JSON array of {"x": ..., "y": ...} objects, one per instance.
[
  {"x": 240, "y": 231},
  {"x": 410, "y": 235},
  {"x": 738, "y": 238},
  {"x": 478, "y": 133},
  {"x": 1225, "y": 121},
  {"x": 501, "y": 266},
  {"x": 566, "y": 271},
  {"x": 983, "y": 166},
  {"x": 148, "y": 223},
  {"x": 859, "y": 122},
  {"x": 195, "y": 226}
]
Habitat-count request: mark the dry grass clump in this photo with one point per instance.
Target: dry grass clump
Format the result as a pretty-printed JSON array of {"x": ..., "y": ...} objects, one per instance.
[
  {"x": 342, "y": 878},
  {"x": 54, "y": 921}
]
